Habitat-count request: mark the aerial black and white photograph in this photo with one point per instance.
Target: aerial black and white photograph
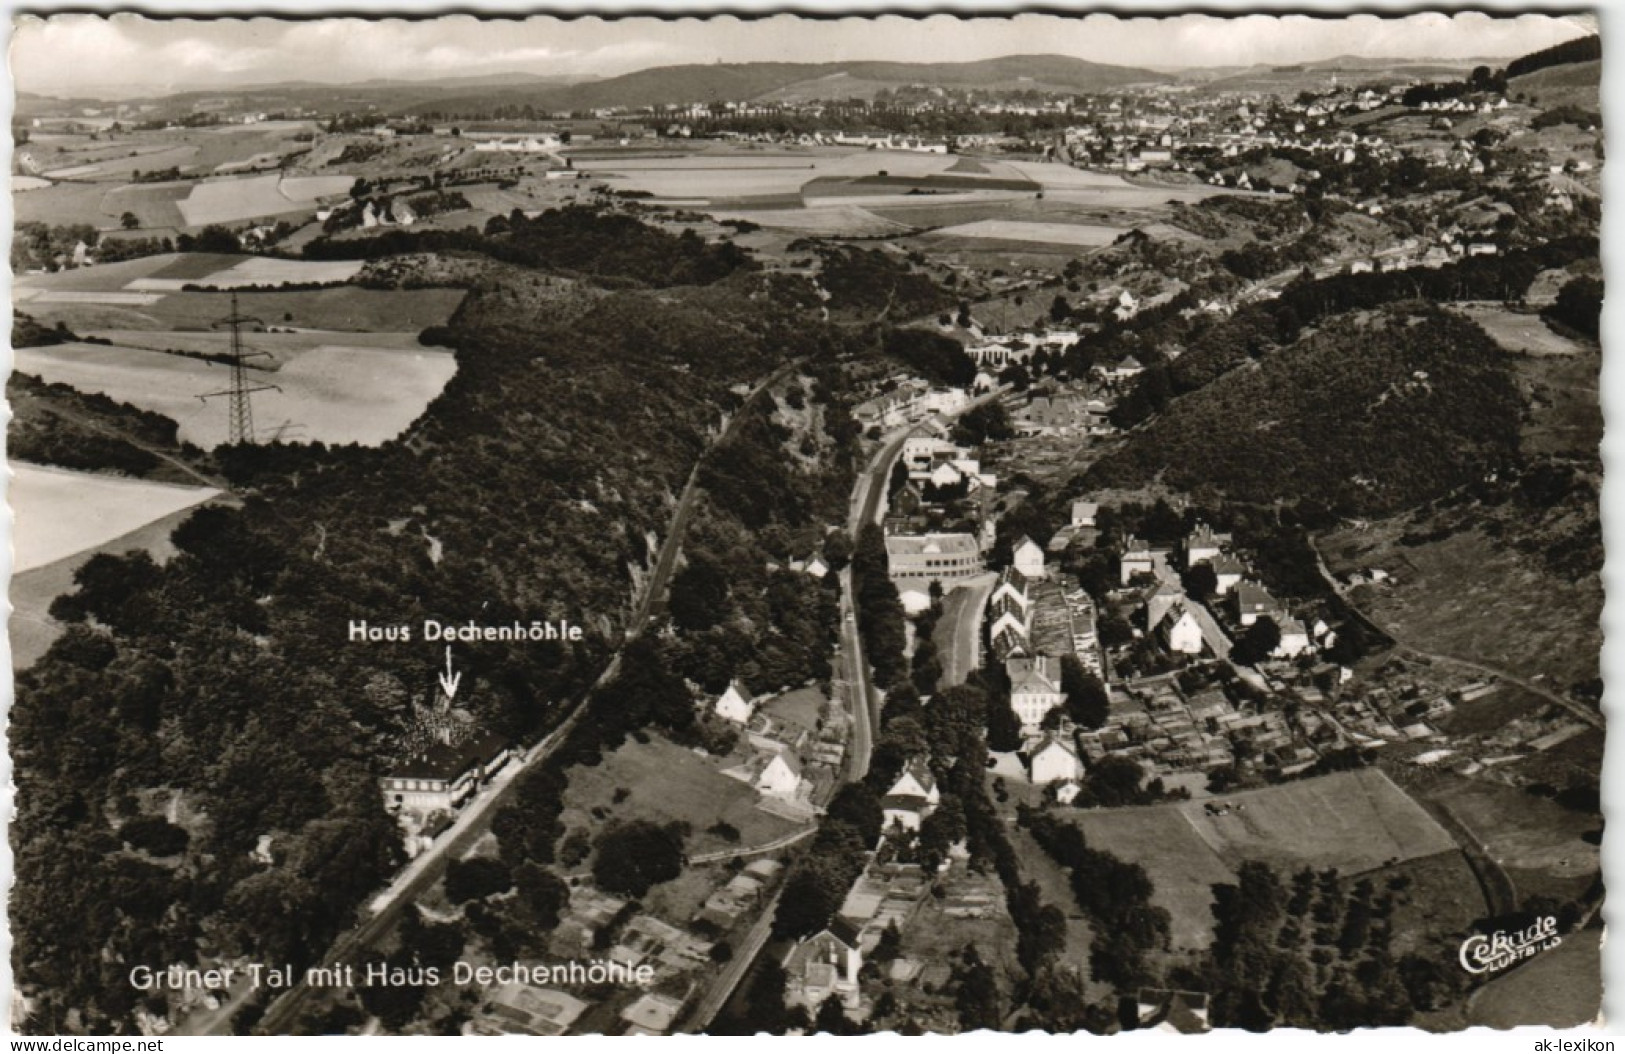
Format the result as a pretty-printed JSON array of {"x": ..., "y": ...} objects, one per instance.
[{"x": 1063, "y": 522}]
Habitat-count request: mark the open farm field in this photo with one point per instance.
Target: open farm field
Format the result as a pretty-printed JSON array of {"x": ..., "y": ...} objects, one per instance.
[
  {"x": 1354, "y": 821},
  {"x": 117, "y": 277},
  {"x": 20, "y": 184},
  {"x": 1182, "y": 867},
  {"x": 331, "y": 394},
  {"x": 281, "y": 347},
  {"x": 1516, "y": 331},
  {"x": 826, "y": 220},
  {"x": 665, "y": 782},
  {"x": 713, "y": 175},
  {"x": 348, "y": 308},
  {"x": 154, "y": 204},
  {"x": 1070, "y": 235},
  {"x": 85, "y": 296},
  {"x": 62, "y": 203},
  {"x": 31, "y": 627},
  {"x": 124, "y": 167},
  {"x": 239, "y": 200},
  {"x": 1535, "y": 839},
  {"x": 60, "y": 512},
  {"x": 257, "y": 271}
]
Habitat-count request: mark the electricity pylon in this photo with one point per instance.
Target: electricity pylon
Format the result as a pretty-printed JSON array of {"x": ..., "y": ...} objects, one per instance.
[{"x": 241, "y": 408}]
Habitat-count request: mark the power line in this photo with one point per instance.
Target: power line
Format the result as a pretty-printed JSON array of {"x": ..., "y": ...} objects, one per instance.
[{"x": 240, "y": 420}]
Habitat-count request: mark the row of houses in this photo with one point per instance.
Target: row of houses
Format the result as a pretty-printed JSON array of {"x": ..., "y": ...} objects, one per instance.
[{"x": 909, "y": 401}]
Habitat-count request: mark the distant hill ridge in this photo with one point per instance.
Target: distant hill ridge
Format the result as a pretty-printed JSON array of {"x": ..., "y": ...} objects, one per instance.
[{"x": 748, "y": 81}]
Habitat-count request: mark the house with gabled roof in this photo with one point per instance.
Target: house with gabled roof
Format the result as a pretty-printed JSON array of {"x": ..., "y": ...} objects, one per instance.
[
  {"x": 732, "y": 705},
  {"x": 1204, "y": 543},
  {"x": 1253, "y": 602},
  {"x": 1168, "y": 1010},
  {"x": 1294, "y": 639},
  {"x": 1227, "y": 572},
  {"x": 825, "y": 964},
  {"x": 1160, "y": 600},
  {"x": 1028, "y": 558},
  {"x": 1084, "y": 513},
  {"x": 1181, "y": 630},
  {"x": 1140, "y": 559},
  {"x": 780, "y": 776},
  {"x": 1012, "y": 587},
  {"x": 1054, "y": 761},
  {"x": 1035, "y": 689},
  {"x": 1007, "y": 643},
  {"x": 913, "y": 797}
]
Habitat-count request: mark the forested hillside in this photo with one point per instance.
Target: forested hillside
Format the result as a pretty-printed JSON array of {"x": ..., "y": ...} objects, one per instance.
[
  {"x": 221, "y": 691},
  {"x": 1374, "y": 413}
]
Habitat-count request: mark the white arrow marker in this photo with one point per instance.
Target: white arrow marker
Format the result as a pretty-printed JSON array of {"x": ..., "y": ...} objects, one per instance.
[{"x": 450, "y": 679}]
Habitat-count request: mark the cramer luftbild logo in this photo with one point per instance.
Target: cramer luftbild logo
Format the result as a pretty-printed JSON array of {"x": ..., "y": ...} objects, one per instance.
[{"x": 1499, "y": 950}]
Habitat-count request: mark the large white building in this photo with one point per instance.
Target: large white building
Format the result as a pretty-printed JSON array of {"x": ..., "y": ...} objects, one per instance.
[
  {"x": 1035, "y": 689},
  {"x": 944, "y": 558}
]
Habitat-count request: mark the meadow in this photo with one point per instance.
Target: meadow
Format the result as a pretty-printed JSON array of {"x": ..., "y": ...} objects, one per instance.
[
  {"x": 1352, "y": 821},
  {"x": 664, "y": 782}
]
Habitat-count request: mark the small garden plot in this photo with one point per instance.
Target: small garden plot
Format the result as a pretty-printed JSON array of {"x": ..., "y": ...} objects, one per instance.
[{"x": 60, "y": 512}]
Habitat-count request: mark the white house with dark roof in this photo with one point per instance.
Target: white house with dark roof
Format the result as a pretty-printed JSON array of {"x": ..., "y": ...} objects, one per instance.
[
  {"x": 1227, "y": 572},
  {"x": 944, "y": 558},
  {"x": 1253, "y": 602},
  {"x": 443, "y": 776}
]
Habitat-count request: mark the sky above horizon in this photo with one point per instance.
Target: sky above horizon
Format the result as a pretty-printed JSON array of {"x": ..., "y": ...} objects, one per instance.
[{"x": 91, "y": 55}]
